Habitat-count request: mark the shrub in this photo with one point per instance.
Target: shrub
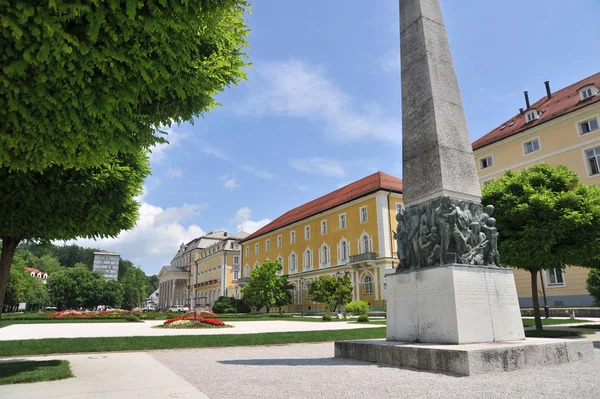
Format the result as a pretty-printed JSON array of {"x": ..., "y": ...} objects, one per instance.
[
  {"x": 223, "y": 303},
  {"x": 593, "y": 285},
  {"x": 326, "y": 317},
  {"x": 229, "y": 310},
  {"x": 363, "y": 318},
  {"x": 147, "y": 316},
  {"x": 131, "y": 317},
  {"x": 357, "y": 307}
]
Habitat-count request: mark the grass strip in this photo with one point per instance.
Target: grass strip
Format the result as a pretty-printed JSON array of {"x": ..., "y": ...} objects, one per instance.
[
  {"x": 550, "y": 322},
  {"x": 555, "y": 333},
  {"x": 85, "y": 345},
  {"x": 19, "y": 372},
  {"x": 590, "y": 326},
  {"x": 6, "y": 323}
]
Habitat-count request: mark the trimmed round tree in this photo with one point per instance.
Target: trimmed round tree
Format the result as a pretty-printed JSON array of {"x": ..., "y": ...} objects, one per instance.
[
  {"x": 62, "y": 204},
  {"x": 547, "y": 219},
  {"x": 266, "y": 288},
  {"x": 82, "y": 81},
  {"x": 331, "y": 291}
]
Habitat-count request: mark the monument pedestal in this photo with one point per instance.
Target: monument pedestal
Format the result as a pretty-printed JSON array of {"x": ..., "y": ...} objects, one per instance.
[{"x": 453, "y": 304}]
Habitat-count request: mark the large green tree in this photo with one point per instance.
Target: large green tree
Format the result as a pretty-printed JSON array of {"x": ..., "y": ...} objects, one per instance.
[
  {"x": 266, "y": 287},
  {"x": 76, "y": 287},
  {"x": 62, "y": 204},
  {"x": 331, "y": 291},
  {"x": 135, "y": 288},
  {"x": 546, "y": 219},
  {"x": 85, "y": 80}
]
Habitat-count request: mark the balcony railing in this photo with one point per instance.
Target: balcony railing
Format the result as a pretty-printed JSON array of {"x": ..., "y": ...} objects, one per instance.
[
  {"x": 244, "y": 280},
  {"x": 363, "y": 257}
]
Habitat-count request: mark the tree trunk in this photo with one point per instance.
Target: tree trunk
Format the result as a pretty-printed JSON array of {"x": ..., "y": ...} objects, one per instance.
[
  {"x": 9, "y": 246},
  {"x": 535, "y": 300}
]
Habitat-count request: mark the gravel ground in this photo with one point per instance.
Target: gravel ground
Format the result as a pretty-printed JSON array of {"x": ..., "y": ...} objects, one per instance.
[
  {"x": 83, "y": 330},
  {"x": 311, "y": 371}
]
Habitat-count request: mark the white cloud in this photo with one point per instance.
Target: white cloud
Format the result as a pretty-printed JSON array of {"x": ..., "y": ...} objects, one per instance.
[
  {"x": 243, "y": 222},
  {"x": 156, "y": 237},
  {"x": 158, "y": 152},
  {"x": 390, "y": 61},
  {"x": 216, "y": 153},
  {"x": 320, "y": 166},
  {"x": 294, "y": 88},
  {"x": 260, "y": 173},
  {"x": 172, "y": 173},
  {"x": 229, "y": 182}
]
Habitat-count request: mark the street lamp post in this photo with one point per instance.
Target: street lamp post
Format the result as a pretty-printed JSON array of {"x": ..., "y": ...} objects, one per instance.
[
  {"x": 302, "y": 294},
  {"x": 337, "y": 275},
  {"x": 236, "y": 298}
]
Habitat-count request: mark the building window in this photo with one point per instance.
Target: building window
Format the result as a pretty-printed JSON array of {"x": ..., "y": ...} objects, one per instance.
[
  {"x": 256, "y": 248},
  {"x": 486, "y": 162},
  {"x": 293, "y": 262},
  {"x": 531, "y": 146},
  {"x": 292, "y": 237},
  {"x": 236, "y": 260},
  {"x": 307, "y": 285},
  {"x": 587, "y": 92},
  {"x": 364, "y": 244},
  {"x": 268, "y": 245},
  {"x": 364, "y": 216},
  {"x": 236, "y": 274},
  {"x": 247, "y": 271},
  {"x": 247, "y": 251},
  {"x": 556, "y": 277},
  {"x": 342, "y": 221},
  {"x": 343, "y": 251},
  {"x": 532, "y": 115},
  {"x": 279, "y": 241},
  {"x": 323, "y": 227},
  {"x": 398, "y": 207},
  {"x": 588, "y": 126},
  {"x": 306, "y": 232},
  {"x": 593, "y": 157},
  {"x": 324, "y": 255},
  {"x": 308, "y": 259},
  {"x": 368, "y": 284}
]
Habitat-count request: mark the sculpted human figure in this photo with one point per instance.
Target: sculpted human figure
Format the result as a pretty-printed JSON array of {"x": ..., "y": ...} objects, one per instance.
[
  {"x": 436, "y": 252},
  {"x": 401, "y": 237},
  {"x": 494, "y": 255},
  {"x": 414, "y": 224},
  {"x": 444, "y": 226},
  {"x": 425, "y": 245},
  {"x": 455, "y": 220},
  {"x": 475, "y": 245}
]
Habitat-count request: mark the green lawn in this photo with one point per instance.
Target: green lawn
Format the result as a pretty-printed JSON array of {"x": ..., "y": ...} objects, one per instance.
[
  {"x": 34, "y": 371},
  {"x": 548, "y": 322},
  {"x": 555, "y": 333},
  {"x": 6, "y": 323},
  {"x": 77, "y": 345}
]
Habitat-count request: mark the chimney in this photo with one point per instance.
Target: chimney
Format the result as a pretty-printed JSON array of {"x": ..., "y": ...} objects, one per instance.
[
  {"x": 521, "y": 111},
  {"x": 527, "y": 99},
  {"x": 548, "y": 92}
]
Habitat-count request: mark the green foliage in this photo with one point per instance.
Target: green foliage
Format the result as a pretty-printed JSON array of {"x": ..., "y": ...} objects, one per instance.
[
  {"x": 34, "y": 371},
  {"x": 17, "y": 286},
  {"x": 327, "y": 317},
  {"x": 358, "y": 307},
  {"x": 267, "y": 289},
  {"x": 593, "y": 285},
  {"x": 83, "y": 81},
  {"x": 135, "y": 287},
  {"x": 132, "y": 317},
  {"x": 226, "y": 304},
  {"x": 363, "y": 318},
  {"x": 330, "y": 291},
  {"x": 76, "y": 287},
  {"x": 546, "y": 218}
]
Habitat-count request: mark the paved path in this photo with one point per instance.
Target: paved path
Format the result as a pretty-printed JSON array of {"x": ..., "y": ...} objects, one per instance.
[
  {"x": 311, "y": 371},
  {"x": 116, "y": 376},
  {"x": 81, "y": 330}
]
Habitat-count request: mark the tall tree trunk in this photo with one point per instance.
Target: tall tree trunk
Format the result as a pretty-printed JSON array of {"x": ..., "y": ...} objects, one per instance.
[
  {"x": 9, "y": 246},
  {"x": 535, "y": 300}
]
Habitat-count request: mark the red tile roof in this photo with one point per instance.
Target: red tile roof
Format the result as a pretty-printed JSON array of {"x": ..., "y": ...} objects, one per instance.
[
  {"x": 562, "y": 102},
  {"x": 370, "y": 184}
]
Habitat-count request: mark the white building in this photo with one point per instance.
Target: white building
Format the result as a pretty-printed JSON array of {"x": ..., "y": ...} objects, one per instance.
[{"x": 108, "y": 264}]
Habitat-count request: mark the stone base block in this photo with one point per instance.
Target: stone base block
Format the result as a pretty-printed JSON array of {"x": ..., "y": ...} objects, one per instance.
[
  {"x": 453, "y": 304},
  {"x": 469, "y": 359}
]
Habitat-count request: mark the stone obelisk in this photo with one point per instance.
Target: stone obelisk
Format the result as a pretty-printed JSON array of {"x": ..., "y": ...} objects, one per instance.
[{"x": 437, "y": 157}]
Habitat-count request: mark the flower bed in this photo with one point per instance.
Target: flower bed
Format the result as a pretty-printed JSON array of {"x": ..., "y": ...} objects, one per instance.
[
  {"x": 72, "y": 314},
  {"x": 189, "y": 321}
]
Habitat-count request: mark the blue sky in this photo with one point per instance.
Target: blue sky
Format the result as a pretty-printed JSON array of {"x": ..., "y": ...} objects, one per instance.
[{"x": 321, "y": 108}]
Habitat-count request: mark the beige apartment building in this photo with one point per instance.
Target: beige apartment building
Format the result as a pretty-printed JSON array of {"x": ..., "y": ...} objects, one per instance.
[
  {"x": 202, "y": 270},
  {"x": 562, "y": 128}
]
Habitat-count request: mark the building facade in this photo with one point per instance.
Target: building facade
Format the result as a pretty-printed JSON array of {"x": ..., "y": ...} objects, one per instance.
[
  {"x": 201, "y": 271},
  {"x": 562, "y": 128},
  {"x": 346, "y": 231},
  {"x": 108, "y": 264}
]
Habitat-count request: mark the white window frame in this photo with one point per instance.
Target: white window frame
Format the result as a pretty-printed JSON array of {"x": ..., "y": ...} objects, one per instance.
[
  {"x": 256, "y": 248},
  {"x": 342, "y": 260},
  {"x": 583, "y": 92},
  {"x": 551, "y": 272},
  {"x": 293, "y": 237},
  {"x": 236, "y": 260},
  {"x": 588, "y": 168},
  {"x": 267, "y": 245},
  {"x": 247, "y": 270},
  {"x": 366, "y": 214},
  {"x": 587, "y": 120},
  {"x": 307, "y": 232},
  {"x": 342, "y": 216},
  {"x": 324, "y": 255},
  {"x": 531, "y": 141},
  {"x": 488, "y": 158},
  {"x": 532, "y": 115},
  {"x": 308, "y": 259},
  {"x": 247, "y": 251},
  {"x": 361, "y": 243},
  {"x": 293, "y": 266},
  {"x": 398, "y": 207},
  {"x": 369, "y": 285},
  {"x": 279, "y": 241},
  {"x": 236, "y": 274},
  {"x": 323, "y": 227}
]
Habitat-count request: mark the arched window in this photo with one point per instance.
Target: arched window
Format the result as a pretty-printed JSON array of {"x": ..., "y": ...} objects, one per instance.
[
  {"x": 368, "y": 284},
  {"x": 307, "y": 285},
  {"x": 308, "y": 259},
  {"x": 293, "y": 293},
  {"x": 324, "y": 255},
  {"x": 293, "y": 262},
  {"x": 247, "y": 271},
  {"x": 364, "y": 243},
  {"x": 343, "y": 251},
  {"x": 280, "y": 260}
]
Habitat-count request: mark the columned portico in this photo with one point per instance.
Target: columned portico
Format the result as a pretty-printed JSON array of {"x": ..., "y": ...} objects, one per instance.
[{"x": 173, "y": 286}]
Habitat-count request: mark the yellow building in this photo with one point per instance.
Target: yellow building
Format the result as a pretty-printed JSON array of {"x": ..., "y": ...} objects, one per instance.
[
  {"x": 560, "y": 129},
  {"x": 201, "y": 271},
  {"x": 348, "y": 230}
]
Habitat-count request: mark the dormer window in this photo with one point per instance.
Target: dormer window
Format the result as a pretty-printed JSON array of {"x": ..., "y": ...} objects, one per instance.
[
  {"x": 532, "y": 115},
  {"x": 587, "y": 92}
]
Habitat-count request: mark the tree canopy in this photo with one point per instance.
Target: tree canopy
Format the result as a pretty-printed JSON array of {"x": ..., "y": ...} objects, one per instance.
[
  {"x": 266, "y": 288},
  {"x": 84, "y": 81},
  {"x": 331, "y": 292},
  {"x": 546, "y": 219}
]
